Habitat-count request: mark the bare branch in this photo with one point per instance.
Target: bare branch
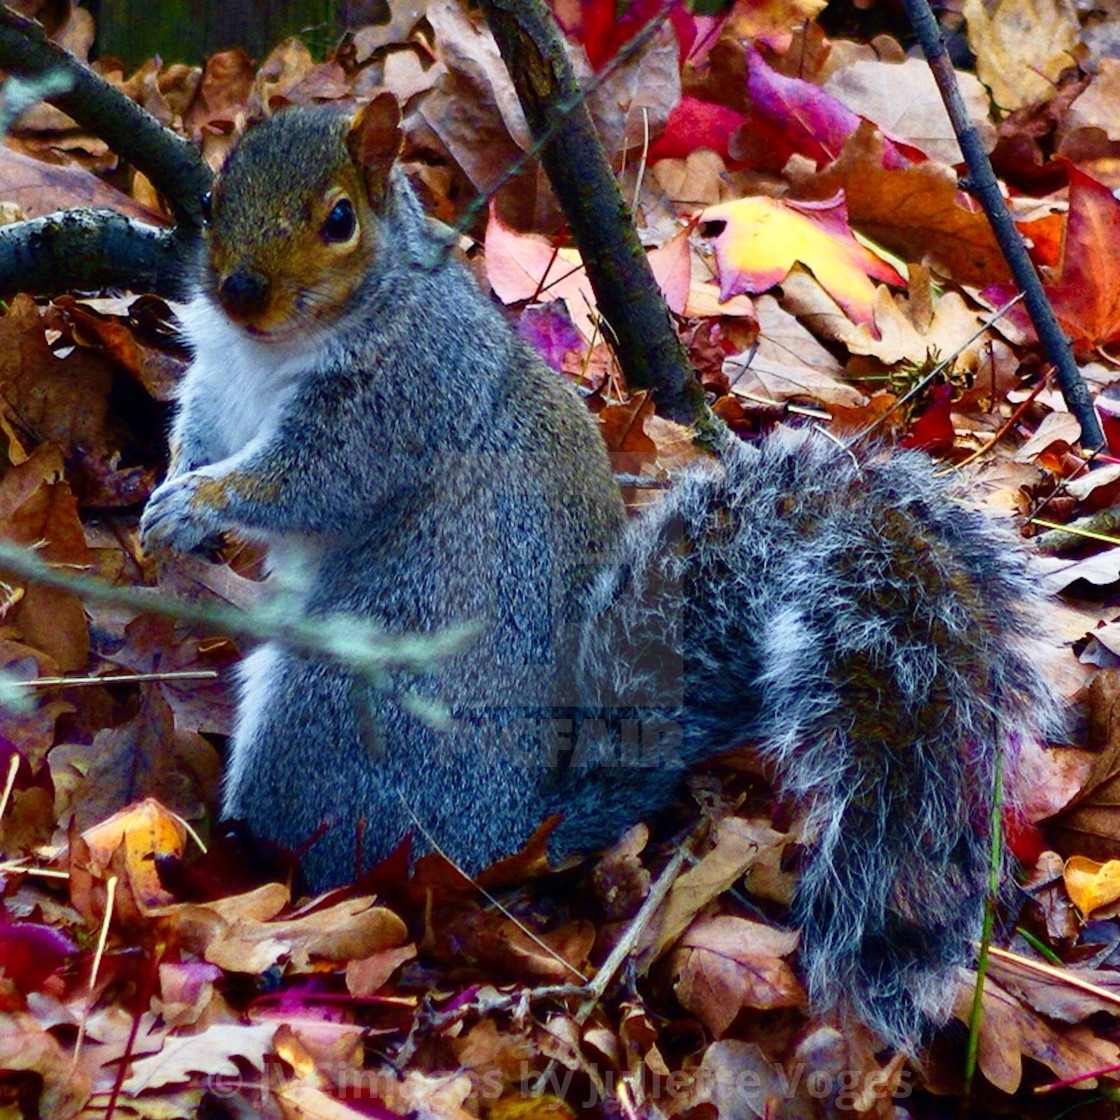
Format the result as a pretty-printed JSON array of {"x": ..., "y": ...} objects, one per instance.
[
  {"x": 170, "y": 162},
  {"x": 639, "y": 327},
  {"x": 984, "y": 185},
  {"x": 91, "y": 249}
]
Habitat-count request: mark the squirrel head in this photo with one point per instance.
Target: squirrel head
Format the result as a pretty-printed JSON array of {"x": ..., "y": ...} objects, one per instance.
[{"x": 293, "y": 224}]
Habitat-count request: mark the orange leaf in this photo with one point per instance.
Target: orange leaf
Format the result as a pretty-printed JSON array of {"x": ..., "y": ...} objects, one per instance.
[
  {"x": 1086, "y": 298},
  {"x": 146, "y": 830}
]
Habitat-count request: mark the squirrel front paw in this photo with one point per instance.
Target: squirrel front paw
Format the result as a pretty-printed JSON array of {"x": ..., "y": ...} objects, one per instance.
[{"x": 179, "y": 517}]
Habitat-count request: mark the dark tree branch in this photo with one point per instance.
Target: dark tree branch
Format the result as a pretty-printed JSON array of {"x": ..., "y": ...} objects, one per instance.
[
  {"x": 171, "y": 163},
  {"x": 638, "y": 323},
  {"x": 986, "y": 189},
  {"x": 91, "y": 249}
]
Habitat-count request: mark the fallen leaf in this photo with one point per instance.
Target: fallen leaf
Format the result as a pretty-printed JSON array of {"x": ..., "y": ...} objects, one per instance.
[
  {"x": 147, "y": 832},
  {"x": 792, "y": 116},
  {"x": 871, "y": 89},
  {"x": 1021, "y": 46},
  {"x": 211, "y": 1051},
  {"x": 757, "y": 241},
  {"x": 725, "y": 964},
  {"x": 693, "y": 124},
  {"x": 1092, "y": 885},
  {"x": 918, "y": 213},
  {"x": 1009, "y": 1031},
  {"x": 1057, "y": 427},
  {"x": 1086, "y": 293},
  {"x": 739, "y": 844}
]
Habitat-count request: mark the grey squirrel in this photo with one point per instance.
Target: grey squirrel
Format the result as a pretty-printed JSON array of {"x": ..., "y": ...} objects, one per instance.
[{"x": 360, "y": 407}]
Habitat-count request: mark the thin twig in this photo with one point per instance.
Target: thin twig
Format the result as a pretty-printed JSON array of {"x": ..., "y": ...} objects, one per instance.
[
  {"x": 1009, "y": 423},
  {"x": 119, "y": 678},
  {"x": 537, "y": 940},
  {"x": 353, "y": 641},
  {"x": 982, "y": 183},
  {"x": 944, "y": 364},
  {"x": 10, "y": 781},
  {"x": 625, "y": 947}
]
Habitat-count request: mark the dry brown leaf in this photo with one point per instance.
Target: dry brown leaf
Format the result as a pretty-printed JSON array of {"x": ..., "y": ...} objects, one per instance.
[
  {"x": 918, "y": 213},
  {"x": 1057, "y": 427},
  {"x": 187, "y": 993},
  {"x": 25, "y": 1045},
  {"x": 739, "y": 845},
  {"x": 1045, "y": 887},
  {"x": 1021, "y": 46},
  {"x": 495, "y": 1058},
  {"x": 236, "y": 934},
  {"x": 871, "y": 88},
  {"x": 1098, "y": 105},
  {"x": 1059, "y": 996},
  {"x": 303, "y": 1100},
  {"x": 785, "y": 344},
  {"x": 210, "y": 1051},
  {"x": 1059, "y": 573},
  {"x": 38, "y": 509},
  {"x": 365, "y": 976},
  {"x": 726, "y": 963},
  {"x": 39, "y": 188},
  {"x": 1009, "y": 1032},
  {"x": 906, "y": 336},
  {"x": 145, "y": 757},
  {"x": 153, "y": 645}
]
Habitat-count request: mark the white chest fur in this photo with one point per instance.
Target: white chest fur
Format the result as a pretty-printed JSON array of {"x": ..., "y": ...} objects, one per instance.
[
  {"x": 236, "y": 386},
  {"x": 231, "y": 402}
]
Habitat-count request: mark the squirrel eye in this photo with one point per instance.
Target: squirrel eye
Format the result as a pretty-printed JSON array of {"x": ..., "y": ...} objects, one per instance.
[
  {"x": 340, "y": 222},
  {"x": 206, "y": 205}
]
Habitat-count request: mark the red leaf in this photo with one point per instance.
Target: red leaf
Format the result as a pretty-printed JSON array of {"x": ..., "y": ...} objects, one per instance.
[
  {"x": 933, "y": 430},
  {"x": 1086, "y": 298},
  {"x": 1024, "y": 839},
  {"x": 31, "y": 953},
  {"x": 604, "y": 29},
  {"x": 695, "y": 124},
  {"x": 792, "y": 116}
]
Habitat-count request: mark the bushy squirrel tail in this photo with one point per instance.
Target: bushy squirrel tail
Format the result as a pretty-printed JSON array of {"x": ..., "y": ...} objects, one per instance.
[{"x": 877, "y": 641}]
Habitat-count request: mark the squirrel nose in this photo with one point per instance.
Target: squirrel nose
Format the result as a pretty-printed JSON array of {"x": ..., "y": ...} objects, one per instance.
[{"x": 243, "y": 293}]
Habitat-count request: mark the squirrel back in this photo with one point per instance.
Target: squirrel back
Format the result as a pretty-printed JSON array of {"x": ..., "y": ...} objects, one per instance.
[{"x": 360, "y": 407}]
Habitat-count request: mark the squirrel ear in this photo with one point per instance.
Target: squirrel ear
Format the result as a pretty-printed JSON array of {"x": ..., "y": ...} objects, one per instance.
[{"x": 375, "y": 141}]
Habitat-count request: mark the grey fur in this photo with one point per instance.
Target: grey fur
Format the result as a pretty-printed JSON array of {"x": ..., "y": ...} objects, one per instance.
[
  {"x": 878, "y": 641},
  {"x": 426, "y": 469}
]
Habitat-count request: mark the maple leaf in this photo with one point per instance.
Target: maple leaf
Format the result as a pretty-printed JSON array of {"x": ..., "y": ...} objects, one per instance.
[
  {"x": 918, "y": 213},
  {"x": 758, "y": 240},
  {"x": 1086, "y": 298}
]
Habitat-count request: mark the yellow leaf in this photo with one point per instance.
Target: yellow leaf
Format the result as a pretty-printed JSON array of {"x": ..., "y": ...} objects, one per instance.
[
  {"x": 1092, "y": 885},
  {"x": 147, "y": 830},
  {"x": 758, "y": 240}
]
